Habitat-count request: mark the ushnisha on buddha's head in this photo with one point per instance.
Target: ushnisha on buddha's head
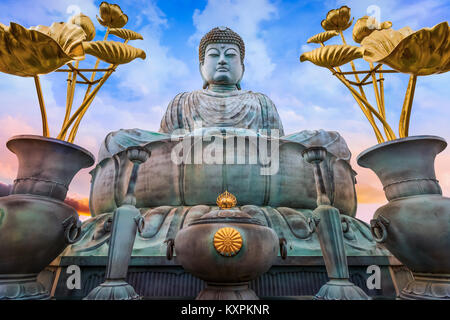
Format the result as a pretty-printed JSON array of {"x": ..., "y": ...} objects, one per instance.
[{"x": 221, "y": 55}]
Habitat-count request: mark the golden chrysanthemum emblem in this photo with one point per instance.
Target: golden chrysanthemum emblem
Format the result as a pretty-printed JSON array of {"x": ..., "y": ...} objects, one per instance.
[{"x": 227, "y": 241}]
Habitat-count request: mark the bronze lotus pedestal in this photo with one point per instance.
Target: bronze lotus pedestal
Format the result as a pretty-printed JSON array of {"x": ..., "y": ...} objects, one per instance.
[{"x": 227, "y": 248}]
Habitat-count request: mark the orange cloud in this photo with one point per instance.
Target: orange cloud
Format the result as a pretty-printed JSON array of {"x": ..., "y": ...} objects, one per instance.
[{"x": 79, "y": 204}]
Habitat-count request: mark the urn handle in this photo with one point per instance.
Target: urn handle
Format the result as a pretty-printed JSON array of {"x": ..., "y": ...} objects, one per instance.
[
  {"x": 72, "y": 230},
  {"x": 283, "y": 248},
  {"x": 169, "y": 250},
  {"x": 378, "y": 227}
]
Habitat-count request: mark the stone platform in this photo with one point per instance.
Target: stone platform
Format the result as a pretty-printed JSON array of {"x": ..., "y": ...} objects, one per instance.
[{"x": 159, "y": 278}]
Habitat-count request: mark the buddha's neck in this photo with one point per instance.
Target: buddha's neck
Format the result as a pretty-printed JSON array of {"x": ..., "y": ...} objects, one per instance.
[{"x": 222, "y": 87}]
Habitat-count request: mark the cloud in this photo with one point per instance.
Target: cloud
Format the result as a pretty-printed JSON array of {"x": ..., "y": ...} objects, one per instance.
[
  {"x": 245, "y": 18},
  {"x": 79, "y": 203}
]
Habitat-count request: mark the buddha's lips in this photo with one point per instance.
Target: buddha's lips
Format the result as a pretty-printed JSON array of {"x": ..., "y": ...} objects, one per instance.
[{"x": 222, "y": 69}]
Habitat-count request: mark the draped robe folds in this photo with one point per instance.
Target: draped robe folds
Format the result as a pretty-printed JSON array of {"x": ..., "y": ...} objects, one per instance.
[
  {"x": 238, "y": 109},
  {"x": 204, "y": 108}
]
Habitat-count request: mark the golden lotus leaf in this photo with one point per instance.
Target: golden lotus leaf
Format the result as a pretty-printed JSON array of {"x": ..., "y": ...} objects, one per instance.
[
  {"x": 227, "y": 241},
  {"x": 112, "y": 16},
  {"x": 39, "y": 50},
  {"x": 322, "y": 37},
  {"x": 424, "y": 52},
  {"x": 85, "y": 23},
  {"x": 366, "y": 25},
  {"x": 126, "y": 34},
  {"x": 337, "y": 19},
  {"x": 333, "y": 55},
  {"x": 113, "y": 52}
]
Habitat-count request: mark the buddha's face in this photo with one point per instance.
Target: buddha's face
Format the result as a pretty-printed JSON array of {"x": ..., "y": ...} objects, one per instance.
[{"x": 222, "y": 64}]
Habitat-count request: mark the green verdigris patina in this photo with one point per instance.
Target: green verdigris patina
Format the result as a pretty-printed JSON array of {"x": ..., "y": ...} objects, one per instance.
[{"x": 223, "y": 138}]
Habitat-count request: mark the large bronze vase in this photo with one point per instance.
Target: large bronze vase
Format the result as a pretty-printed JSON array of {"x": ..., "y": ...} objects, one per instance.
[
  {"x": 35, "y": 223},
  {"x": 415, "y": 224}
]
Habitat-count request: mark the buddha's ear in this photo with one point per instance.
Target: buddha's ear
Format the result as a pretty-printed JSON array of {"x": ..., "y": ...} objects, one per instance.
[
  {"x": 238, "y": 84},
  {"x": 205, "y": 83}
]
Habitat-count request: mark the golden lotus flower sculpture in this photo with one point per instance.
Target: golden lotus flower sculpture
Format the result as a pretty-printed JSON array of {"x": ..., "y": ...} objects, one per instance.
[
  {"x": 366, "y": 25},
  {"x": 112, "y": 16},
  {"x": 322, "y": 37},
  {"x": 420, "y": 53},
  {"x": 337, "y": 19},
  {"x": 39, "y": 50},
  {"x": 85, "y": 23}
]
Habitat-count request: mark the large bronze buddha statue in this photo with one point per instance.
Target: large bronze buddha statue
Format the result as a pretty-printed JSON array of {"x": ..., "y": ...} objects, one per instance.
[{"x": 171, "y": 194}]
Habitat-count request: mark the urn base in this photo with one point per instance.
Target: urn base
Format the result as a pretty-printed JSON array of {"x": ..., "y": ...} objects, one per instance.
[
  {"x": 22, "y": 287},
  {"x": 341, "y": 289},
  {"x": 113, "y": 290},
  {"x": 427, "y": 286},
  {"x": 227, "y": 291}
]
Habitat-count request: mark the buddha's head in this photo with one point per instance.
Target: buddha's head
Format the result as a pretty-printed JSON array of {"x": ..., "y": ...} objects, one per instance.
[{"x": 221, "y": 55}]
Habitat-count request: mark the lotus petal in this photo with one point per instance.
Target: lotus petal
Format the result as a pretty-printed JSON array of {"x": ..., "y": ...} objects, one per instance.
[
  {"x": 69, "y": 36},
  {"x": 366, "y": 25},
  {"x": 28, "y": 53},
  {"x": 322, "y": 37},
  {"x": 113, "y": 52},
  {"x": 380, "y": 43},
  {"x": 337, "y": 19},
  {"x": 126, "y": 34},
  {"x": 424, "y": 52},
  {"x": 112, "y": 16},
  {"x": 85, "y": 23},
  {"x": 333, "y": 55}
]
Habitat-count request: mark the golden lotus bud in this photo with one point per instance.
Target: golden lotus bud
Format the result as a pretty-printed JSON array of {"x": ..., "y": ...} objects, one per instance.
[
  {"x": 112, "y": 16},
  {"x": 85, "y": 23},
  {"x": 366, "y": 25},
  {"x": 337, "y": 19},
  {"x": 226, "y": 200}
]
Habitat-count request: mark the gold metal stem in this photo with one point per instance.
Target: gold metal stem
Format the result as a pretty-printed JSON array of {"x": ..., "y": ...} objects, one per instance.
[
  {"x": 71, "y": 85},
  {"x": 381, "y": 79},
  {"x": 45, "y": 131},
  {"x": 390, "y": 133},
  {"x": 368, "y": 115},
  {"x": 75, "y": 127},
  {"x": 403, "y": 127},
  {"x": 84, "y": 104},
  {"x": 380, "y": 104},
  {"x": 95, "y": 67}
]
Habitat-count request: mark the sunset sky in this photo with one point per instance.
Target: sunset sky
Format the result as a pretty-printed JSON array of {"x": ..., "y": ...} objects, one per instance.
[{"x": 275, "y": 34}]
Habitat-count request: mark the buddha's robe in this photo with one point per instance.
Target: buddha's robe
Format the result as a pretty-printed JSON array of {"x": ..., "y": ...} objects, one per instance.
[
  {"x": 204, "y": 108},
  {"x": 238, "y": 109}
]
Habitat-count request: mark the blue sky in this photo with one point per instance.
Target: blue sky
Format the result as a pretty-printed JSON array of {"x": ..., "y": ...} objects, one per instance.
[{"x": 275, "y": 33}]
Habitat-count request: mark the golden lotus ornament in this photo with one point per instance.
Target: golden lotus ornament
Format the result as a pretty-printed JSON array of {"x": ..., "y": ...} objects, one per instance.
[
  {"x": 39, "y": 50},
  {"x": 85, "y": 23},
  {"x": 337, "y": 19},
  {"x": 366, "y": 25},
  {"x": 420, "y": 53},
  {"x": 112, "y": 16},
  {"x": 226, "y": 200},
  {"x": 322, "y": 37},
  {"x": 227, "y": 241},
  {"x": 332, "y": 55}
]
